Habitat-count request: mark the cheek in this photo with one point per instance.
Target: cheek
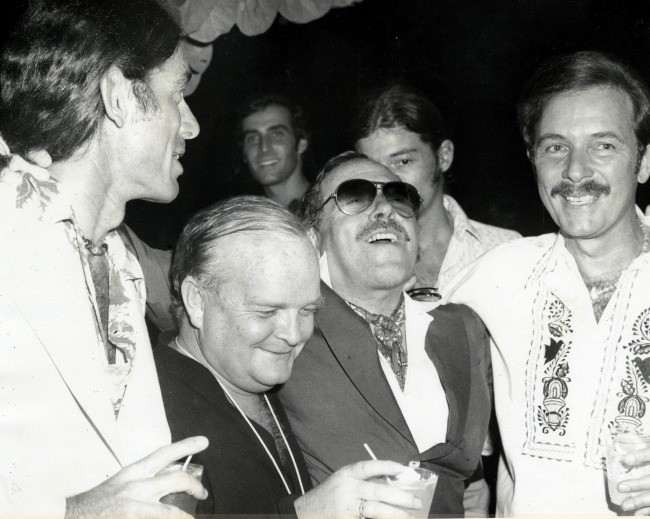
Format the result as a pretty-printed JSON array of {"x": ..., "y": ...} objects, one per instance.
[
  {"x": 249, "y": 153},
  {"x": 287, "y": 150},
  {"x": 256, "y": 331},
  {"x": 306, "y": 327},
  {"x": 546, "y": 176}
]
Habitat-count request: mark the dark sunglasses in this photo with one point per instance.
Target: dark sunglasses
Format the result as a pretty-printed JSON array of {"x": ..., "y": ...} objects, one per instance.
[{"x": 356, "y": 195}]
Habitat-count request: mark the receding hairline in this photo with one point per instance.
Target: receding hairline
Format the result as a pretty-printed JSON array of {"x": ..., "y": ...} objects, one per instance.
[
  {"x": 330, "y": 174},
  {"x": 237, "y": 250}
]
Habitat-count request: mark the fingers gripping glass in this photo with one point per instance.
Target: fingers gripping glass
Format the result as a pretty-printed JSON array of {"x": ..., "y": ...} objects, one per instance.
[{"x": 356, "y": 195}]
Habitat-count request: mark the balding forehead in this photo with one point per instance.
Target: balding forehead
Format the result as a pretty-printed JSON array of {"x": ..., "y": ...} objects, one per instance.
[{"x": 252, "y": 246}]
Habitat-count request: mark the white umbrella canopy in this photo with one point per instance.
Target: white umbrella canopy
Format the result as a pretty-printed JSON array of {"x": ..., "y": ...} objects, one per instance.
[{"x": 206, "y": 20}]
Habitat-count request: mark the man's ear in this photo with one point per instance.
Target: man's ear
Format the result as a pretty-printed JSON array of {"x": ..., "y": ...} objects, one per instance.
[
  {"x": 117, "y": 94},
  {"x": 303, "y": 144},
  {"x": 644, "y": 168},
  {"x": 445, "y": 155},
  {"x": 193, "y": 301}
]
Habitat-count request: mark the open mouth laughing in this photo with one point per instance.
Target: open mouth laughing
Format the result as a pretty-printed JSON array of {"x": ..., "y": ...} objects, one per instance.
[
  {"x": 383, "y": 237},
  {"x": 581, "y": 200}
]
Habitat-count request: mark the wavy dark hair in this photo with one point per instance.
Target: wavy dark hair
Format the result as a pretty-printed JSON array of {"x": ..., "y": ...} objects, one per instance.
[
  {"x": 580, "y": 71},
  {"x": 51, "y": 66},
  {"x": 399, "y": 105}
]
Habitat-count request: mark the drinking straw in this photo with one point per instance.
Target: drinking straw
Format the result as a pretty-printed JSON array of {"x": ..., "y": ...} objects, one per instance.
[
  {"x": 187, "y": 462},
  {"x": 372, "y": 454}
]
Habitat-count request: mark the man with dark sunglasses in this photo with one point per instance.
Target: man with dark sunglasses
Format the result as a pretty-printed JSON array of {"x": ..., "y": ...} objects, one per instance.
[{"x": 379, "y": 369}]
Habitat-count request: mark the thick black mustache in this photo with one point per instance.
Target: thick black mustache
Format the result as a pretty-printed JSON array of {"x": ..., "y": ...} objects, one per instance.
[
  {"x": 585, "y": 188},
  {"x": 379, "y": 225}
]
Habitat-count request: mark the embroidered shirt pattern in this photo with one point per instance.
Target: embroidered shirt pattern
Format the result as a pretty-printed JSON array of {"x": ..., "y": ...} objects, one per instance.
[
  {"x": 635, "y": 384},
  {"x": 548, "y": 413},
  {"x": 619, "y": 344}
]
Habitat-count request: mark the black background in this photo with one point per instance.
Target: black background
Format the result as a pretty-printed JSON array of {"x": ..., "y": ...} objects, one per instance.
[{"x": 471, "y": 57}]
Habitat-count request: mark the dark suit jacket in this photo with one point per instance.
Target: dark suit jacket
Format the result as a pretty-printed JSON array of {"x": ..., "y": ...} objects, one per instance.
[
  {"x": 237, "y": 472},
  {"x": 337, "y": 398}
]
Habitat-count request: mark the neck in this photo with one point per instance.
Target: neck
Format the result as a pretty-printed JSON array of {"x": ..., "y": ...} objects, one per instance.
[
  {"x": 434, "y": 235},
  {"x": 436, "y": 224},
  {"x": 605, "y": 257},
  {"x": 86, "y": 185},
  {"x": 188, "y": 338},
  {"x": 381, "y": 302},
  {"x": 293, "y": 187}
]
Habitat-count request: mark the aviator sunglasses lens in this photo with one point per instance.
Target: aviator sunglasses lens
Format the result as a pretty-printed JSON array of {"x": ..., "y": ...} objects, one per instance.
[
  {"x": 403, "y": 197},
  {"x": 356, "y": 195}
]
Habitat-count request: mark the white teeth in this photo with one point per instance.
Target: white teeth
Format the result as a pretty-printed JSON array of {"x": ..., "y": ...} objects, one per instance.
[
  {"x": 383, "y": 236},
  {"x": 176, "y": 156},
  {"x": 580, "y": 200}
]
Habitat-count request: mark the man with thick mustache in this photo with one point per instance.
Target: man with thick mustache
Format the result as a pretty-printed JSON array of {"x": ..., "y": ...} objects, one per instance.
[
  {"x": 569, "y": 312},
  {"x": 380, "y": 370}
]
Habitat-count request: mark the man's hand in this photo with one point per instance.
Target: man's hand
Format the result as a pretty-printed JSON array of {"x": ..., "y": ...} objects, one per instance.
[
  {"x": 639, "y": 503},
  {"x": 136, "y": 489},
  {"x": 348, "y": 493}
]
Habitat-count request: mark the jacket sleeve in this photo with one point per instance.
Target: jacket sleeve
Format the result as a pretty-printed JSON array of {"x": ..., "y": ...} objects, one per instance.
[
  {"x": 16, "y": 501},
  {"x": 156, "y": 265}
]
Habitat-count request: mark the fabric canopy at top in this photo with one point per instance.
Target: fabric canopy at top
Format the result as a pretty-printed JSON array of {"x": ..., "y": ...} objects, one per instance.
[{"x": 205, "y": 20}]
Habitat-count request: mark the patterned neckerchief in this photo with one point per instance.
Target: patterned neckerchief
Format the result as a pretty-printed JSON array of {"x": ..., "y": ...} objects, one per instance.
[{"x": 390, "y": 339}]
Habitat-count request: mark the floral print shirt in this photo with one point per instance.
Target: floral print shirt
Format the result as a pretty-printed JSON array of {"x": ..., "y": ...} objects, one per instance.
[{"x": 45, "y": 201}]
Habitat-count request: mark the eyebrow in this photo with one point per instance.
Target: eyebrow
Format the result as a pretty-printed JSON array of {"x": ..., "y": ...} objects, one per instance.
[
  {"x": 403, "y": 152},
  {"x": 597, "y": 135},
  {"x": 548, "y": 137},
  {"x": 318, "y": 303},
  {"x": 274, "y": 127},
  {"x": 607, "y": 135}
]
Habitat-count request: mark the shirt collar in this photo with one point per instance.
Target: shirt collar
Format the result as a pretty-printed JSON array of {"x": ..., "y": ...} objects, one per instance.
[
  {"x": 45, "y": 198},
  {"x": 324, "y": 270},
  {"x": 461, "y": 222},
  {"x": 50, "y": 204},
  {"x": 558, "y": 254}
]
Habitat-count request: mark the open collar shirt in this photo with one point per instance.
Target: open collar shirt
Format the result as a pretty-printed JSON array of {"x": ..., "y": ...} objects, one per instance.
[
  {"x": 469, "y": 241},
  {"x": 423, "y": 395},
  {"x": 563, "y": 382},
  {"x": 45, "y": 201}
]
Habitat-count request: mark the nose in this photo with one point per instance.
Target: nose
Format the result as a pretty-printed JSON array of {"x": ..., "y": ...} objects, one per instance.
[
  {"x": 381, "y": 208},
  {"x": 264, "y": 143},
  {"x": 289, "y": 329},
  {"x": 576, "y": 166},
  {"x": 189, "y": 125}
]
